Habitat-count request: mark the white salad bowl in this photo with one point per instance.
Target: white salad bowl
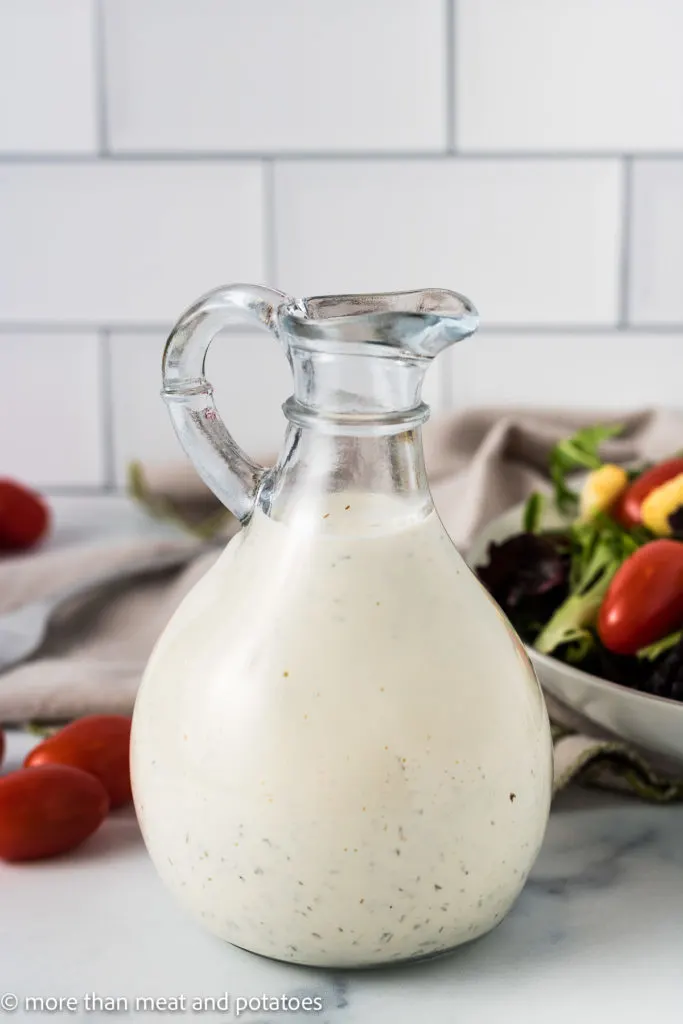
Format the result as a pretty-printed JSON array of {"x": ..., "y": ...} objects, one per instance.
[{"x": 653, "y": 723}]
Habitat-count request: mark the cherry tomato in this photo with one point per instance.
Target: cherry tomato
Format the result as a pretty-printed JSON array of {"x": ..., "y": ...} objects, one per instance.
[
  {"x": 24, "y": 516},
  {"x": 627, "y": 509},
  {"x": 98, "y": 744},
  {"x": 48, "y": 810},
  {"x": 644, "y": 601}
]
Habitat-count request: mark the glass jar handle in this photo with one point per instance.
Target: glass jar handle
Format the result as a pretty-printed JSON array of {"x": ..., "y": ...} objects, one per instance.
[{"x": 222, "y": 464}]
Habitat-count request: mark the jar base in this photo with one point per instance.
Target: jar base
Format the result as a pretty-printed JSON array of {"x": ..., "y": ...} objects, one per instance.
[{"x": 379, "y": 965}]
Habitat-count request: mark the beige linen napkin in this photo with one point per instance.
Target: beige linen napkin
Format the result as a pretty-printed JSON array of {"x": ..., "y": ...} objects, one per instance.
[{"x": 479, "y": 462}]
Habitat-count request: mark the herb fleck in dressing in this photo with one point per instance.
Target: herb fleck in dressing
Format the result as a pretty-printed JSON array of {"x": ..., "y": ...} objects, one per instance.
[{"x": 333, "y": 739}]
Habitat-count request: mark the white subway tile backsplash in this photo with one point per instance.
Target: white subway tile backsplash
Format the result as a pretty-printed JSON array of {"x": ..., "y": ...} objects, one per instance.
[
  {"x": 47, "y": 76},
  {"x": 251, "y": 378},
  {"x": 530, "y": 242},
  {"x": 591, "y": 371},
  {"x": 656, "y": 295},
  {"x": 298, "y": 76},
  {"x": 121, "y": 242},
  {"x": 151, "y": 150},
  {"x": 551, "y": 75},
  {"x": 51, "y": 409}
]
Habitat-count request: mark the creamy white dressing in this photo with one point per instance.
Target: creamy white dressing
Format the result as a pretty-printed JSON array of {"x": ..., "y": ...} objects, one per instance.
[{"x": 340, "y": 752}]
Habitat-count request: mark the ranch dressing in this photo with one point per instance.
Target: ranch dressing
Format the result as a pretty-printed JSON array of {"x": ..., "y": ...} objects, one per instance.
[{"x": 340, "y": 753}]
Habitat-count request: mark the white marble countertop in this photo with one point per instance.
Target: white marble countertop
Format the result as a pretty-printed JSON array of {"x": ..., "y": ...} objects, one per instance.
[{"x": 597, "y": 935}]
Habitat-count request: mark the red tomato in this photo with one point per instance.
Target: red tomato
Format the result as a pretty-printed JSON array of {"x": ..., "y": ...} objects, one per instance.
[
  {"x": 645, "y": 599},
  {"x": 48, "y": 810},
  {"x": 98, "y": 744},
  {"x": 627, "y": 509},
  {"x": 24, "y": 516}
]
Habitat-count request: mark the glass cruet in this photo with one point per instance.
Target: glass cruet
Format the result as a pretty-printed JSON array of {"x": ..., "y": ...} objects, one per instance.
[{"x": 340, "y": 753}]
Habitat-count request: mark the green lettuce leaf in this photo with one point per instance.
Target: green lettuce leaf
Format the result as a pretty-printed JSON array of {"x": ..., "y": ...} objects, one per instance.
[
  {"x": 599, "y": 548},
  {"x": 653, "y": 651},
  {"x": 533, "y": 511},
  {"x": 581, "y": 451}
]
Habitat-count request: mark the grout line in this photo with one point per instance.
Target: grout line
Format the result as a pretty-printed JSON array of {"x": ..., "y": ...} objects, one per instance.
[
  {"x": 226, "y": 156},
  {"x": 80, "y": 491},
  {"x": 450, "y": 381},
  {"x": 446, "y": 371},
  {"x": 606, "y": 329},
  {"x": 28, "y": 327},
  {"x": 107, "y": 418},
  {"x": 37, "y": 327},
  {"x": 451, "y": 74},
  {"x": 484, "y": 328},
  {"x": 102, "y": 109},
  {"x": 624, "y": 283},
  {"x": 566, "y": 328},
  {"x": 80, "y": 327},
  {"x": 269, "y": 240}
]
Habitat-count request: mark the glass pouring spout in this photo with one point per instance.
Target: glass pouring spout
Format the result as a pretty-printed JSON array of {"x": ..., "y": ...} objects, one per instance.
[
  {"x": 358, "y": 363},
  {"x": 417, "y": 323}
]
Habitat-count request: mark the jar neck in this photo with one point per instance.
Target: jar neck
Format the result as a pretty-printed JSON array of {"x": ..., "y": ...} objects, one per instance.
[
  {"x": 354, "y": 426},
  {"x": 315, "y": 463},
  {"x": 368, "y": 382}
]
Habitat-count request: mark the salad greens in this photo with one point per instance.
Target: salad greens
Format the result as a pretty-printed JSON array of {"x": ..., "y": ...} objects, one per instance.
[
  {"x": 575, "y": 453},
  {"x": 552, "y": 582},
  {"x": 652, "y": 652},
  {"x": 533, "y": 513},
  {"x": 598, "y": 549}
]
